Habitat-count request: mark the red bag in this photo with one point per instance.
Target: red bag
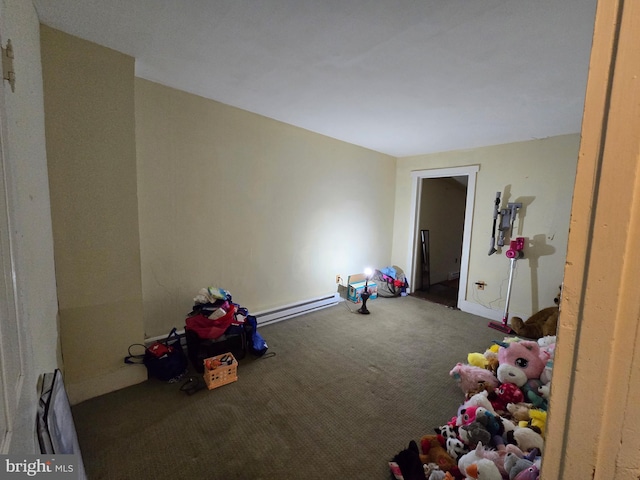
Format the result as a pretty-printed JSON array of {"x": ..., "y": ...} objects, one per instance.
[{"x": 206, "y": 328}]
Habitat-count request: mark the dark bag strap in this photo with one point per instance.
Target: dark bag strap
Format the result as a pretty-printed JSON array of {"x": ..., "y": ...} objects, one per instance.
[
  {"x": 172, "y": 333},
  {"x": 135, "y": 359},
  {"x": 192, "y": 385}
]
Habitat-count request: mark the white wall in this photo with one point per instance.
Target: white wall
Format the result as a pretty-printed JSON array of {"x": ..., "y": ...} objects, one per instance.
[
  {"x": 538, "y": 173},
  {"x": 29, "y": 214}
]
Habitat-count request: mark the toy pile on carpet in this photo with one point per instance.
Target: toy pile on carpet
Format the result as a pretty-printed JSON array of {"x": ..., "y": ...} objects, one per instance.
[{"x": 498, "y": 432}]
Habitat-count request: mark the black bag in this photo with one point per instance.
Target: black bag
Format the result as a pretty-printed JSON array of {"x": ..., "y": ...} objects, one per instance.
[
  {"x": 234, "y": 341},
  {"x": 164, "y": 360}
]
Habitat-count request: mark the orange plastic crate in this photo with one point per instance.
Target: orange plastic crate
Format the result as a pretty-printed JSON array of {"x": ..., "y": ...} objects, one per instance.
[{"x": 222, "y": 374}]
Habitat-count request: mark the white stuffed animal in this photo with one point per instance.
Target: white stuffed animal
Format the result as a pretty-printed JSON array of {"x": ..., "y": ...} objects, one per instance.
[{"x": 483, "y": 469}]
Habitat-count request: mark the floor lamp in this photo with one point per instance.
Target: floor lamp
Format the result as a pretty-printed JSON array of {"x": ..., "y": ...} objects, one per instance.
[{"x": 365, "y": 293}]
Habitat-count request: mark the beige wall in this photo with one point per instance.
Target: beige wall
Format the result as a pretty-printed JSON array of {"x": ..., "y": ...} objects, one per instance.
[
  {"x": 538, "y": 173},
  {"x": 28, "y": 211},
  {"x": 235, "y": 200},
  {"x": 90, "y": 131}
]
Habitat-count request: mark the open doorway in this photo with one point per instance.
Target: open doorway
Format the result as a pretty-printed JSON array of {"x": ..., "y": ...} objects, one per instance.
[
  {"x": 441, "y": 225},
  {"x": 440, "y": 235}
]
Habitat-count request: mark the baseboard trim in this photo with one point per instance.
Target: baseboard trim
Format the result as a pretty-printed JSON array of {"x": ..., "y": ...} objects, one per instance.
[{"x": 482, "y": 311}]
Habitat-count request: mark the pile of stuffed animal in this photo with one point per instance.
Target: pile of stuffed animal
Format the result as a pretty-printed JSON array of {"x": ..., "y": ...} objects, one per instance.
[{"x": 498, "y": 432}]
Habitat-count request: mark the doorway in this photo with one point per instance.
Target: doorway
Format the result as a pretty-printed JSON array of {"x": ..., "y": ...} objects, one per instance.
[{"x": 442, "y": 201}]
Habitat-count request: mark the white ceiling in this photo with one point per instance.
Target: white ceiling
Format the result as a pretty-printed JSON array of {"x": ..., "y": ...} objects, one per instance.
[{"x": 402, "y": 77}]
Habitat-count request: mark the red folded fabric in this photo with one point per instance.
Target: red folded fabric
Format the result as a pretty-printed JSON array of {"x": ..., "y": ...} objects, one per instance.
[{"x": 206, "y": 328}]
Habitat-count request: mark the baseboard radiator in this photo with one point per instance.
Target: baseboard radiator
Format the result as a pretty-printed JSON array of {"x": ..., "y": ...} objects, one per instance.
[
  {"x": 275, "y": 315},
  {"x": 295, "y": 309}
]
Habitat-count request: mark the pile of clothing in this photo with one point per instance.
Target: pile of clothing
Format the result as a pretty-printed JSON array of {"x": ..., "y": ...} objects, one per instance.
[{"x": 217, "y": 323}]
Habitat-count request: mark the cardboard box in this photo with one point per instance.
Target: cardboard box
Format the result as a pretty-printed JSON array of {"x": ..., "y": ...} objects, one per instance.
[{"x": 355, "y": 288}]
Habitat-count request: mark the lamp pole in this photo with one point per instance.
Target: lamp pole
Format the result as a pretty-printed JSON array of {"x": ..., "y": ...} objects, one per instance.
[{"x": 365, "y": 294}]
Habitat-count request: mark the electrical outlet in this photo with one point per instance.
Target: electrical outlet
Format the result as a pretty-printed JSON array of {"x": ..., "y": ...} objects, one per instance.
[
  {"x": 339, "y": 279},
  {"x": 480, "y": 285}
]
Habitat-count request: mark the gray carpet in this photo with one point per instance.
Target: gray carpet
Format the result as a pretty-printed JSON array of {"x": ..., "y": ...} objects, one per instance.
[{"x": 342, "y": 395}]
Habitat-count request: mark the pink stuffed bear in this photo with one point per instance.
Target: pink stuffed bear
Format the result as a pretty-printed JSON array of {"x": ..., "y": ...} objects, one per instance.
[{"x": 520, "y": 361}]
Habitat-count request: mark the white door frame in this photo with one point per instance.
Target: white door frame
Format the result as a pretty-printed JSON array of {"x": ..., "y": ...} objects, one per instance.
[
  {"x": 416, "y": 197},
  {"x": 12, "y": 347}
]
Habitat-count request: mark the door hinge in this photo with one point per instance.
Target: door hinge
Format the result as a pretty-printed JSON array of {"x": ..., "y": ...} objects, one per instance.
[{"x": 8, "y": 73}]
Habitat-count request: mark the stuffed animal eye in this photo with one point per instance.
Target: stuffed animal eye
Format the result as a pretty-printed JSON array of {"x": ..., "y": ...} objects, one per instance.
[{"x": 522, "y": 362}]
